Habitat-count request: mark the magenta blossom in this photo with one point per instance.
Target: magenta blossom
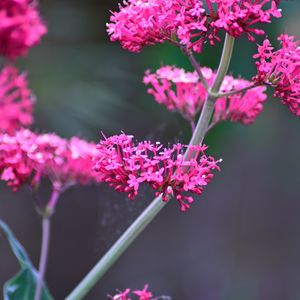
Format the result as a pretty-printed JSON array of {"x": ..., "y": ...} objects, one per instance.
[
  {"x": 143, "y": 294},
  {"x": 183, "y": 92},
  {"x": 20, "y": 27},
  {"x": 16, "y": 100},
  {"x": 239, "y": 17},
  {"x": 124, "y": 165},
  {"x": 140, "y": 23},
  {"x": 27, "y": 157},
  {"x": 281, "y": 70}
]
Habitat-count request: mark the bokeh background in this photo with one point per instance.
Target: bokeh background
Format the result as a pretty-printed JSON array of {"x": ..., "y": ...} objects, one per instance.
[{"x": 240, "y": 240}]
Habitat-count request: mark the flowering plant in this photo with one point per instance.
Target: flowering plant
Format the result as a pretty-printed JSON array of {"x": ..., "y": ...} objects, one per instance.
[{"x": 176, "y": 172}]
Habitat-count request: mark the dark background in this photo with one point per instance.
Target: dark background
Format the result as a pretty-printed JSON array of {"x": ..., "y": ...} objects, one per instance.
[{"x": 241, "y": 240}]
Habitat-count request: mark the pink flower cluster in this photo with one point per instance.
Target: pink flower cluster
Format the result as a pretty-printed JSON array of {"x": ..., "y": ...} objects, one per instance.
[
  {"x": 20, "y": 27},
  {"x": 281, "y": 70},
  {"x": 27, "y": 157},
  {"x": 16, "y": 100},
  {"x": 143, "y": 294},
  {"x": 124, "y": 165},
  {"x": 147, "y": 22},
  {"x": 183, "y": 92},
  {"x": 237, "y": 17}
]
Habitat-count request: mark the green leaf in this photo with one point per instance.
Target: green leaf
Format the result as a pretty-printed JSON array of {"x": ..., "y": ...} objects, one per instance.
[{"x": 23, "y": 284}]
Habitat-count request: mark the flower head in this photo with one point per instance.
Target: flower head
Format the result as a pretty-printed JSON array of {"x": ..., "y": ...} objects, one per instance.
[
  {"x": 124, "y": 165},
  {"x": 16, "y": 100},
  {"x": 27, "y": 157},
  {"x": 140, "y": 23},
  {"x": 239, "y": 17},
  {"x": 183, "y": 92},
  {"x": 20, "y": 27},
  {"x": 281, "y": 70}
]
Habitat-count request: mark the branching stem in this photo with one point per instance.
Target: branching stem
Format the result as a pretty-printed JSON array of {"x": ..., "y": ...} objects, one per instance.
[{"x": 157, "y": 205}]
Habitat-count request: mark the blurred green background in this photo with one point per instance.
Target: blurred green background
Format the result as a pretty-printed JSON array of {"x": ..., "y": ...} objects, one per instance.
[{"x": 241, "y": 240}]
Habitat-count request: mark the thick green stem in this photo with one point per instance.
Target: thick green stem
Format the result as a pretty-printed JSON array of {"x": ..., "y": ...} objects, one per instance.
[{"x": 156, "y": 206}]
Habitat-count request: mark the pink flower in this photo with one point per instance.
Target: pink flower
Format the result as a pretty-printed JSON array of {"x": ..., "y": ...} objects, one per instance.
[
  {"x": 140, "y": 23},
  {"x": 16, "y": 100},
  {"x": 183, "y": 92},
  {"x": 122, "y": 295},
  {"x": 124, "y": 165},
  {"x": 20, "y": 27},
  {"x": 143, "y": 294},
  {"x": 281, "y": 70},
  {"x": 237, "y": 17},
  {"x": 27, "y": 157},
  {"x": 15, "y": 166}
]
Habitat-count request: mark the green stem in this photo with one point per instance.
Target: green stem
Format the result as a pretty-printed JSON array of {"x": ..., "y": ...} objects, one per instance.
[
  {"x": 157, "y": 205},
  {"x": 43, "y": 257}
]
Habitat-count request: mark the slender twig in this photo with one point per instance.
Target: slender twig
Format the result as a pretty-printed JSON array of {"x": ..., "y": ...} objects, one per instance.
[
  {"x": 234, "y": 92},
  {"x": 157, "y": 205},
  {"x": 46, "y": 217},
  {"x": 197, "y": 67},
  {"x": 43, "y": 257},
  {"x": 192, "y": 60}
]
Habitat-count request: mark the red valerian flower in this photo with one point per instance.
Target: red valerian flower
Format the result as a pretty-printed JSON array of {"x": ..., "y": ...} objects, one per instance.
[
  {"x": 281, "y": 70},
  {"x": 124, "y": 165},
  {"x": 143, "y": 294},
  {"x": 237, "y": 17},
  {"x": 140, "y": 23},
  {"x": 20, "y": 27},
  {"x": 27, "y": 157},
  {"x": 16, "y": 100},
  {"x": 184, "y": 92},
  {"x": 148, "y": 22}
]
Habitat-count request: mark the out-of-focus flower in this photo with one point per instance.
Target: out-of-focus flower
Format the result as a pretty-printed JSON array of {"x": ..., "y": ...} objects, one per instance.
[
  {"x": 183, "y": 92},
  {"x": 140, "y": 23},
  {"x": 16, "y": 100},
  {"x": 124, "y": 165},
  {"x": 21, "y": 27},
  {"x": 27, "y": 157},
  {"x": 281, "y": 70}
]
